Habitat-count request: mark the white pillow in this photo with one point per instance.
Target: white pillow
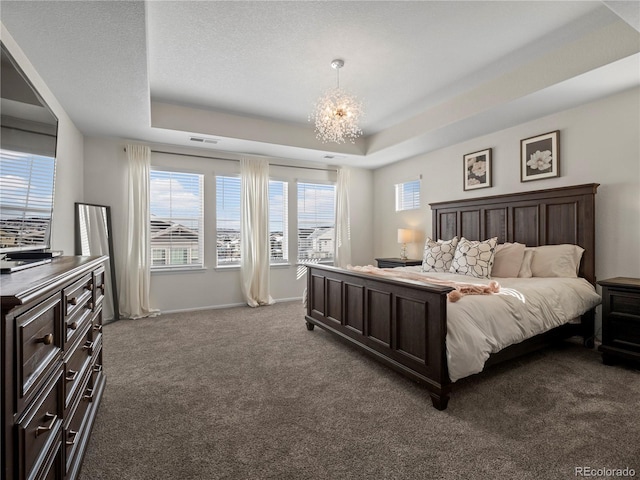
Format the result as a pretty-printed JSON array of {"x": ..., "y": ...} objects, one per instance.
[
  {"x": 438, "y": 255},
  {"x": 556, "y": 261},
  {"x": 474, "y": 258},
  {"x": 508, "y": 260},
  {"x": 525, "y": 268}
]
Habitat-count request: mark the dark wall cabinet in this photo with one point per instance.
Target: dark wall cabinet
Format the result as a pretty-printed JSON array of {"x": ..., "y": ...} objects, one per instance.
[
  {"x": 52, "y": 378},
  {"x": 620, "y": 319}
]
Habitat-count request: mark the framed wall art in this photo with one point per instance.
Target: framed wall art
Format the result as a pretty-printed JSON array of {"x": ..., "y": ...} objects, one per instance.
[
  {"x": 477, "y": 169},
  {"x": 540, "y": 157}
]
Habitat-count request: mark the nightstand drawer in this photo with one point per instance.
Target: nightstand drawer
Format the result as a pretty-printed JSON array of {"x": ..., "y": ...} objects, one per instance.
[
  {"x": 625, "y": 303},
  {"x": 624, "y": 332}
]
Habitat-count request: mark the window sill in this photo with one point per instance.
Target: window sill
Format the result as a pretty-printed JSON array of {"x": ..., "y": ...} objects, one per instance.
[
  {"x": 237, "y": 267},
  {"x": 177, "y": 270}
]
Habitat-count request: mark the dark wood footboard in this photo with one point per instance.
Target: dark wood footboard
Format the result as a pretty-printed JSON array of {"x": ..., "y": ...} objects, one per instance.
[{"x": 403, "y": 325}]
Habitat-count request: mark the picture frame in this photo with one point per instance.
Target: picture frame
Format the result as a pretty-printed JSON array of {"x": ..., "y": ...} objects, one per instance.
[
  {"x": 540, "y": 157},
  {"x": 477, "y": 169}
]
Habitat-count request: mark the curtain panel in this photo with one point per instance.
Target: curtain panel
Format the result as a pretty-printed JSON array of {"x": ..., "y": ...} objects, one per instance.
[
  {"x": 343, "y": 220},
  {"x": 135, "y": 274},
  {"x": 254, "y": 231}
]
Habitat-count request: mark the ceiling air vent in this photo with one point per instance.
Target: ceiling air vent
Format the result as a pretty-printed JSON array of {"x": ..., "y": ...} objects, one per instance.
[
  {"x": 333, "y": 157},
  {"x": 211, "y": 141}
]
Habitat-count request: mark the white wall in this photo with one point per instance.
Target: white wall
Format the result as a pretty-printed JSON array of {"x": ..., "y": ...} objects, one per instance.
[
  {"x": 599, "y": 143},
  {"x": 69, "y": 157},
  {"x": 105, "y": 183}
]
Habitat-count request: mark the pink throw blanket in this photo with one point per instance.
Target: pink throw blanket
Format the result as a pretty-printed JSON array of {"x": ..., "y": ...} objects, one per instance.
[{"x": 460, "y": 289}]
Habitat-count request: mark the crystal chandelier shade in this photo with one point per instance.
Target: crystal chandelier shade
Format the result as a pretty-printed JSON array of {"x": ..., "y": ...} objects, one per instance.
[{"x": 337, "y": 113}]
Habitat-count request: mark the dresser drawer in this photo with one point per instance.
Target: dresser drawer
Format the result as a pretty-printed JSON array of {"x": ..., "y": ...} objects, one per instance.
[
  {"x": 96, "y": 325},
  {"x": 78, "y": 308},
  {"x": 52, "y": 469},
  {"x": 77, "y": 294},
  {"x": 98, "y": 290},
  {"x": 77, "y": 424},
  {"x": 39, "y": 430},
  {"x": 76, "y": 366},
  {"x": 38, "y": 344}
]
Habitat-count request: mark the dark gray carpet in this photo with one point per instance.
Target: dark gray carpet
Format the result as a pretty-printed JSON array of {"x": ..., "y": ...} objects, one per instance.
[{"x": 251, "y": 394}]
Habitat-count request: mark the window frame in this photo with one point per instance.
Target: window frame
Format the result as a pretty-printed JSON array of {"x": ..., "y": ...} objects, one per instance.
[
  {"x": 401, "y": 202},
  {"x": 333, "y": 185},
  {"x": 167, "y": 173}
]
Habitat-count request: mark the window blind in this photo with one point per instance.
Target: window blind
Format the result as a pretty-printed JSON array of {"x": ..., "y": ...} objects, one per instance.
[
  {"x": 278, "y": 221},
  {"x": 26, "y": 199},
  {"x": 176, "y": 207},
  {"x": 228, "y": 220},
  {"x": 408, "y": 195},
  {"x": 316, "y": 222}
]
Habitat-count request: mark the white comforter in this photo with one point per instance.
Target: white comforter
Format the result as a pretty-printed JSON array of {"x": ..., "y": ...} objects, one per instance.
[{"x": 478, "y": 325}]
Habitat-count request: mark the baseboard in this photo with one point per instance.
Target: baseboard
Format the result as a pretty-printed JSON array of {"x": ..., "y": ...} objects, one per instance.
[{"x": 228, "y": 305}]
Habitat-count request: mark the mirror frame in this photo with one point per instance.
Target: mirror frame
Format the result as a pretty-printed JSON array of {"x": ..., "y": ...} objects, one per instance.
[{"x": 112, "y": 263}]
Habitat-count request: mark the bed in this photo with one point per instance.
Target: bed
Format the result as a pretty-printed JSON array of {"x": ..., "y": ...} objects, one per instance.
[{"x": 404, "y": 324}]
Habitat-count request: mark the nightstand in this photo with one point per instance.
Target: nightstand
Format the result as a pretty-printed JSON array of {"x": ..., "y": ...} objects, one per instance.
[
  {"x": 397, "y": 262},
  {"x": 620, "y": 319}
]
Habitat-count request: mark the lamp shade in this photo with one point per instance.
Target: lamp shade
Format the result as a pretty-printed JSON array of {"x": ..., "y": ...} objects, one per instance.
[{"x": 405, "y": 235}]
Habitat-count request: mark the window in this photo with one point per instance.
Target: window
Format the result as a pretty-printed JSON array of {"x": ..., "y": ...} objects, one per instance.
[
  {"x": 176, "y": 219},
  {"x": 278, "y": 222},
  {"x": 228, "y": 220},
  {"x": 26, "y": 199},
  {"x": 228, "y": 216},
  {"x": 408, "y": 195},
  {"x": 316, "y": 222}
]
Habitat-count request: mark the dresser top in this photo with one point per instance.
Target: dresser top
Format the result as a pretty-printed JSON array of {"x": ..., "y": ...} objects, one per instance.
[{"x": 21, "y": 286}]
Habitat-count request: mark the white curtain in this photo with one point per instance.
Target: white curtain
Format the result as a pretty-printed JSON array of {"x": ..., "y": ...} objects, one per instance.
[
  {"x": 343, "y": 221},
  {"x": 254, "y": 231},
  {"x": 135, "y": 274}
]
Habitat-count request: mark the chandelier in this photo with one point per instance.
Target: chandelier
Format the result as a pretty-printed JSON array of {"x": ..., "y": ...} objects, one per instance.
[{"x": 336, "y": 113}]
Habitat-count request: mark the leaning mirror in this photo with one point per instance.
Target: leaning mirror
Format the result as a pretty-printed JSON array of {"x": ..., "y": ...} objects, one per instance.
[{"x": 94, "y": 237}]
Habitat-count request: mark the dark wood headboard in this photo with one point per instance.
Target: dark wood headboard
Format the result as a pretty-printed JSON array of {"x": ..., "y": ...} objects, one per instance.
[{"x": 542, "y": 217}]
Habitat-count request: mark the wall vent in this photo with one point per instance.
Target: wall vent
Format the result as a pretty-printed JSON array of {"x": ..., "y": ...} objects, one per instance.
[
  {"x": 333, "y": 157},
  {"x": 211, "y": 141}
]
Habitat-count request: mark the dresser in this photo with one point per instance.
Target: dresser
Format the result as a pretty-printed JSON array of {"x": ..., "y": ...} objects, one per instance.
[
  {"x": 52, "y": 377},
  {"x": 620, "y": 319},
  {"x": 397, "y": 262}
]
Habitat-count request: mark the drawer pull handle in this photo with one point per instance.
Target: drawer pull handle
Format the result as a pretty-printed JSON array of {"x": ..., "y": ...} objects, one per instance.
[
  {"x": 72, "y": 437},
  {"x": 101, "y": 287},
  {"x": 72, "y": 375},
  {"x": 89, "y": 305},
  {"x": 73, "y": 301},
  {"x": 97, "y": 368},
  {"x": 47, "y": 339},
  {"x": 88, "y": 346},
  {"x": 97, "y": 328},
  {"x": 72, "y": 325},
  {"x": 42, "y": 429},
  {"x": 88, "y": 286},
  {"x": 89, "y": 394}
]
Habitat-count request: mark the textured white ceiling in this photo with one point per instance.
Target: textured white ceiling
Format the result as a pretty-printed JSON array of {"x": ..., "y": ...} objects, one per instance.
[{"x": 249, "y": 72}]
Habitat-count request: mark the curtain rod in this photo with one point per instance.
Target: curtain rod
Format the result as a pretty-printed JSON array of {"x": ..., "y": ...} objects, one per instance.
[{"x": 234, "y": 160}]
